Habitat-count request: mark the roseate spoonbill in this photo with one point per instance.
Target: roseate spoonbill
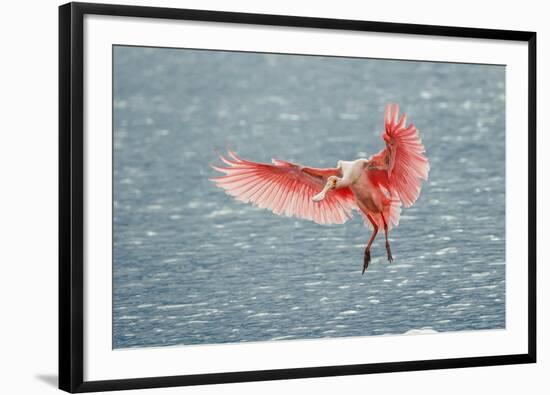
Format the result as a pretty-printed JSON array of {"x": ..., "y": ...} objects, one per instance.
[{"x": 376, "y": 187}]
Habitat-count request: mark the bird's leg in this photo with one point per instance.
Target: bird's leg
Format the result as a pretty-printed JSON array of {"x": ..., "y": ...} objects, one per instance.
[
  {"x": 388, "y": 249},
  {"x": 366, "y": 259}
]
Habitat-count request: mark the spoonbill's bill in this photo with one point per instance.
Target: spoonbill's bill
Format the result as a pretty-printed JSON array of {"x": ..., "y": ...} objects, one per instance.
[{"x": 376, "y": 187}]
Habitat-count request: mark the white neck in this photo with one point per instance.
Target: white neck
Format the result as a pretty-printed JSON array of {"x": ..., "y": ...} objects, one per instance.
[
  {"x": 351, "y": 171},
  {"x": 343, "y": 182}
]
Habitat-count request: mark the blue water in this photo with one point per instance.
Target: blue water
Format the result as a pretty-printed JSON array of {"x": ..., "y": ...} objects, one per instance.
[{"x": 194, "y": 266}]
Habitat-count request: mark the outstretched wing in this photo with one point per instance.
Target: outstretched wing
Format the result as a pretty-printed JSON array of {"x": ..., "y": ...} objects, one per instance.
[
  {"x": 402, "y": 165},
  {"x": 285, "y": 188}
]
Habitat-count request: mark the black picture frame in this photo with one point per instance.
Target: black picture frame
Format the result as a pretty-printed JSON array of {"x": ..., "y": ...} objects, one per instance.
[{"x": 71, "y": 195}]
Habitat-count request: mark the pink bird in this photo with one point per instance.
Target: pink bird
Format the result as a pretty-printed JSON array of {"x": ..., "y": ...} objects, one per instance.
[{"x": 376, "y": 187}]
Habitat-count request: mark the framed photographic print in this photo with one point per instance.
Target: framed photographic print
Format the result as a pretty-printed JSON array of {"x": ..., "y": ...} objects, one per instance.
[{"x": 253, "y": 197}]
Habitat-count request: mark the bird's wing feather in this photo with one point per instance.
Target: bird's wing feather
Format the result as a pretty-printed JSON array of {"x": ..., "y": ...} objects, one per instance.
[
  {"x": 403, "y": 158},
  {"x": 285, "y": 188}
]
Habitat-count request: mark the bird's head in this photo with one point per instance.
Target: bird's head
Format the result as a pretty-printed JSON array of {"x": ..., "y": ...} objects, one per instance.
[{"x": 332, "y": 183}]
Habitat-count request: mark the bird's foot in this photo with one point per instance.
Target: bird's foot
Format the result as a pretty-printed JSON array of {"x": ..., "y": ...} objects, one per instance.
[
  {"x": 388, "y": 250},
  {"x": 366, "y": 260}
]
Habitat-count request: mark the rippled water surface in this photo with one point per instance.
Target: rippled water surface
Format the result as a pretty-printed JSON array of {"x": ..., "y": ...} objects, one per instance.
[{"x": 194, "y": 266}]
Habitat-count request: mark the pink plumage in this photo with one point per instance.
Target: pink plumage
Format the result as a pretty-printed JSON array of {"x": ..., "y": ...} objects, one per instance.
[
  {"x": 285, "y": 188},
  {"x": 376, "y": 186},
  {"x": 408, "y": 165}
]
